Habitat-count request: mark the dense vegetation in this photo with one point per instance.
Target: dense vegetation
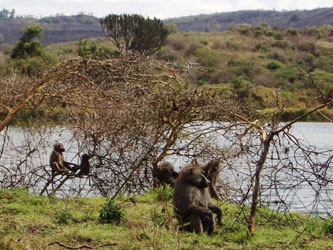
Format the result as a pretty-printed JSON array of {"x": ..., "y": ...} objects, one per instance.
[
  {"x": 263, "y": 65},
  {"x": 38, "y": 222},
  {"x": 281, "y": 19},
  {"x": 258, "y": 61}
]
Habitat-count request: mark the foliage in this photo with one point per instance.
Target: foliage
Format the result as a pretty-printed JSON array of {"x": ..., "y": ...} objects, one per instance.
[
  {"x": 110, "y": 213},
  {"x": 134, "y": 32},
  {"x": 164, "y": 192},
  {"x": 27, "y": 46},
  {"x": 63, "y": 217},
  {"x": 4, "y": 14},
  {"x": 274, "y": 65},
  {"x": 241, "y": 87},
  {"x": 328, "y": 226},
  {"x": 91, "y": 49}
]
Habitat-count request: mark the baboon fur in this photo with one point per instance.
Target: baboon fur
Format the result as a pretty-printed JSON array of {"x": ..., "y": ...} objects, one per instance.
[
  {"x": 57, "y": 162},
  {"x": 191, "y": 201},
  {"x": 84, "y": 166},
  {"x": 211, "y": 171},
  {"x": 165, "y": 174}
]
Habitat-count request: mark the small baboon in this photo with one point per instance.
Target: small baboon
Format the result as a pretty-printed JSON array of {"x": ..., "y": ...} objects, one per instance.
[
  {"x": 84, "y": 166},
  {"x": 57, "y": 162},
  {"x": 211, "y": 171},
  {"x": 191, "y": 200},
  {"x": 165, "y": 174}
]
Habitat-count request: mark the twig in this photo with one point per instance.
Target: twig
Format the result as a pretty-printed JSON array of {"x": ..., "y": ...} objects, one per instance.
[{"x": 83, "y": 246}]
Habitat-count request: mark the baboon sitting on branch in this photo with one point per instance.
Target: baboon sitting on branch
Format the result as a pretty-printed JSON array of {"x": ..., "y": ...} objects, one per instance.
[
  {"x": 84, "y": 166},
  {"x": 164, "y": 174},
  {"x": 191, "y": 200},
  {"x": 57, "y": 162}
]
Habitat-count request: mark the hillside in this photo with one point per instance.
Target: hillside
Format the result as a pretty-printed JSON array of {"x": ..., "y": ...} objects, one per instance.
[
  {"x": 71, "y": 28},
  {"x": 56, "y": 29},
  {"x": 284, "y": 19}
]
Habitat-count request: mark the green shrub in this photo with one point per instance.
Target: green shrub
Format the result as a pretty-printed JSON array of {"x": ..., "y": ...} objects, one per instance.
[
  {"x": 278, "y": 35},
  {"x": 208, "y": 57},
  {"x": 281, "y": 44},
  {"x": 292, "y": 31},
  {"x": 110, "y": 213},
  {"x": 64, "y": 217},
  {"x": 274, "y": 65},
  {"x": 203, "y": 80},
  {"x": 193, "y": 47},
  {"x": 164, "y": 193},
  {"x": 204, "y": 42},
  {"x": 328, "y": 226}
]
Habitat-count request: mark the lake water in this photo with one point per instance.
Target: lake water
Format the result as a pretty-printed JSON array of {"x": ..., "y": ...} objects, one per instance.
[{"x": 289, "y": 194}]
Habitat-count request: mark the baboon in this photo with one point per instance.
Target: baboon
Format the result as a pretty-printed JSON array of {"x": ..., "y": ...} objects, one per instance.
[
  {"x": 211, "y": 171},
  {"x": 165, "y": 174},
  {"x": 192, "y": 202},
  {"x": 84, "y": 166},
  {"x": 57, "y": 162}
]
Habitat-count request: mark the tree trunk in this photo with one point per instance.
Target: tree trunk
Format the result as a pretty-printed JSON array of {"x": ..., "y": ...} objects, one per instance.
[{"x": 256, "y": 190}]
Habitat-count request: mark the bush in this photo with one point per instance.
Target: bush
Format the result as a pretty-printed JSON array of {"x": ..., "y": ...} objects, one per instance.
[
  {"x": 204, "y": 42},
  {"x": 208, "y": 57},
  {"x": 110, "y": 213},
  {"x": 328, "y": 226},
  {"x": 274, "y": 65},
  {"x": 193, "y": 47},
  {"x": 292, "y": 31},
  {"x": 64, "y": 217},
  {"x": 164, "y": 193}
]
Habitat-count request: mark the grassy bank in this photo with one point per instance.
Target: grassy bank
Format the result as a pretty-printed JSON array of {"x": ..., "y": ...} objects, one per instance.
[
  {"x": 37, "y": 222},
  {"x": 323, "y": 115}
]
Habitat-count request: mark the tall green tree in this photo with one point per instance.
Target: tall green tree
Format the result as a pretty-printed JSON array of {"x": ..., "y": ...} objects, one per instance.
[
  {"x": 134, "y": 32},
  {"x": 28, "y": 45}
]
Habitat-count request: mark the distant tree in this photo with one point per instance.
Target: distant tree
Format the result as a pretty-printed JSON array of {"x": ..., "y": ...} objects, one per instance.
[
  {"x": 172, "y": 28},
  {"x": 28, "y": 45},
  {"x": 4, "y": 13},
  {"x": 134, "y": 32},
  {"x": 12, "y": 14}
]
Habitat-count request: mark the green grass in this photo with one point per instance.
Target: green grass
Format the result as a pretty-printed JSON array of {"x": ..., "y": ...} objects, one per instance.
[{"x": 37, "y": 222}]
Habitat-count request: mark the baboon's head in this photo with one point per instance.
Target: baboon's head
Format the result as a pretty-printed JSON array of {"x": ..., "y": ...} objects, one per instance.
[
  {"x": 85, "y": 157},
  {"x": 197, "y": 178},
  {"x": 214, "y": 166},
  {"x": 59, "y": 147},
  {"x": 166, "y": 170}
]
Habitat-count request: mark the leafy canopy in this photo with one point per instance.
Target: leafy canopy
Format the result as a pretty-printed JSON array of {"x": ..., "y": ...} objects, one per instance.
[
  {"x": 135, "y": 33},
  {"x": 27, "y": 45}
]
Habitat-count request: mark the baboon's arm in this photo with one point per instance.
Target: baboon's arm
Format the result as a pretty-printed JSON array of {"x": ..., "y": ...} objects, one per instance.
[
  {"x": 216, "y": 210},
  {"x": 213, "y": 191},
  {"x": 199, "y": 210},
  {"x": 69, "y": 164}
]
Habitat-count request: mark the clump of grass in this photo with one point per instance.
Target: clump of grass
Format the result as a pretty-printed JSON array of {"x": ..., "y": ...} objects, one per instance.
[
  {"x": 327, "y": 226},
  {"x": 110, "y": 213},
  {"x": 164, "y": 193},
  {"x": 64, "y": 217}
]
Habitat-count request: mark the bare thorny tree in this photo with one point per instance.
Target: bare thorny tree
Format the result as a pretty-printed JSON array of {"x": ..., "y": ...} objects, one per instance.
[{"x": 132, "y": 112}]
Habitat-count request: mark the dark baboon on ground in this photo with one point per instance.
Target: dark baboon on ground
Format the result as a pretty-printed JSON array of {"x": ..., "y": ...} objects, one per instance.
[
  {"x": 57, "y": 162},
  {"x": 84, "y": 166},
  {"x": 165, "y": 174},
  {"x": 191, "y": 200},
  {"x": 211, "y": 171}
]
